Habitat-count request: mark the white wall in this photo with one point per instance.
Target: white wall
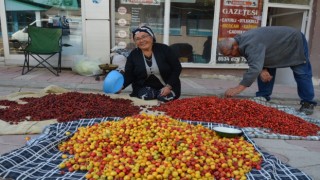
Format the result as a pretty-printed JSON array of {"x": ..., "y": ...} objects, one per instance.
[{"x": 96, "y": 32}]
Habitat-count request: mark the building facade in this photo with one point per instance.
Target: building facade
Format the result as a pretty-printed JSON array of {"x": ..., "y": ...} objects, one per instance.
[{"x": 191, "y": 27}]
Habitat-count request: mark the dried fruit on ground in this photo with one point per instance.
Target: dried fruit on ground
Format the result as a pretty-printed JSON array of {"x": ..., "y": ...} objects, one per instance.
[
  {"x": 238, "y": 112},
  {"x": 157, "y": 147},
  {"x": 68, "y": 106},
  {"x": 7, "y": 103}
]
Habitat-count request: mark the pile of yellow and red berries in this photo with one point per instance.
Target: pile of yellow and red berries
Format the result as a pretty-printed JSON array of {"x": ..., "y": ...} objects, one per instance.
[{"x": 156, "y": 147}]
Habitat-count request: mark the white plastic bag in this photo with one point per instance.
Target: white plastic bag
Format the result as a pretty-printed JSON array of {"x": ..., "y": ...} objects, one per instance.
[
  {"x": 119, "y": 60},
  {"x": 86, "y": 67}
]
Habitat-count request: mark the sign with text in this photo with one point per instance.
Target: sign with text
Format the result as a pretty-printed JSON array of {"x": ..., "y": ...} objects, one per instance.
[
  {"x": 144, "y": 2},
  {"x": 237, "y": 17}
]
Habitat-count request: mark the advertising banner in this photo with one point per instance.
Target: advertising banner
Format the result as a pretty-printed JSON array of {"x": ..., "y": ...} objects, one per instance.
[{"x": 237, "y": 17}]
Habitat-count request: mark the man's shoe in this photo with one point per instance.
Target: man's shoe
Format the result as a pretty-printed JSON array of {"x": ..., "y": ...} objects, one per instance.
[
  {"x": 260, "y": 98},
  {"x": 307, "y": 108}
]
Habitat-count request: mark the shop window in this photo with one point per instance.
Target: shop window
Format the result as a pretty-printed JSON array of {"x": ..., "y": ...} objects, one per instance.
[
  {"x": 199, "y": 24},
  {"x": 131, "y": 14},
  {"x": 65, "y": 14},
  {"x": 232, "y": 23},
  {"x": 175, "y": 24},
  {"x": 191, "y": 23},
  {"x": 17, "y": 20},
  {"x": 193, "y": 45}
]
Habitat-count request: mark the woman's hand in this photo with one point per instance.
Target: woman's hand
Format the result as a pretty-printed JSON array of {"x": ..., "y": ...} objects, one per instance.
[
  {"x": 165, "y": 90},
  {"x": 265, "y": 76},
  {"x": 234, "y": 91},
  {"x": 119, "y": 91}
]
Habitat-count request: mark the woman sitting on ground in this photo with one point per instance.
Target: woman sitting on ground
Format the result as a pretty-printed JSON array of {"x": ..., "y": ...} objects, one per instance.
[{"x": 152, "y": 68}]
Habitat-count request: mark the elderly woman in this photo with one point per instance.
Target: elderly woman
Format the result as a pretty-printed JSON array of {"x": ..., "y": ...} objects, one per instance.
[{"x": 152, "y": 68}]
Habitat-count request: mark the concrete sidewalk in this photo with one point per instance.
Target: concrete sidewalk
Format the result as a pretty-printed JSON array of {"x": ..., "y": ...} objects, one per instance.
[{"x": 304, "y": 155}]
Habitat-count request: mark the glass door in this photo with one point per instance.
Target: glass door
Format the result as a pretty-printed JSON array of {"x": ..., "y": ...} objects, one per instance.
[{"x": 288, "y": 17}]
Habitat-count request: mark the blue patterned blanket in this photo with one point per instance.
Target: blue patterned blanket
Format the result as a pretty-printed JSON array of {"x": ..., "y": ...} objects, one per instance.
[{"x": 40, "y": 157}]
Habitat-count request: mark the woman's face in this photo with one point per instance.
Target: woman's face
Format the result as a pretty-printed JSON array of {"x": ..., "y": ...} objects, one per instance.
[{"x": 143, "y": 40}]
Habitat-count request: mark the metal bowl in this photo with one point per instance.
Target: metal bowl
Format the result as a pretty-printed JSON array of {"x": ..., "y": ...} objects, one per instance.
[
  {"x": 108, "y": 67},
  {"x": 227, "y": 132}
]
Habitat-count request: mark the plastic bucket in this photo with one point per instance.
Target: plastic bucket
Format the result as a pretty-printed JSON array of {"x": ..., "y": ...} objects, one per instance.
[{"x": 113, "y": 82}]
